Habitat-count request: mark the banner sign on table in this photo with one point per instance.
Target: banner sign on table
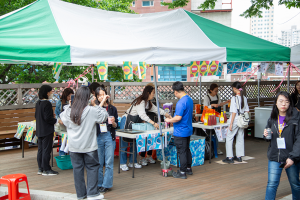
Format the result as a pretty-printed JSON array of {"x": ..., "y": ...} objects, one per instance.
[
  {"x": 212, "y": 69},
  {"x": 29, "y": 134},
  {"x": 157, "y": 141},
  {"x": 21, "y": 128},
  {"x": 204, "y": 65},
  {"x": 34, "y": 140},
  {"x": 102, "y": 68},
  {"x": 238, "y": 67},
  {"x": 141, "y": 143},
  {"x": 220, "y": 69},
  {"x": 150, "y": 140},
  {"x": 221, "y": 132},
  {"x": 271, "y": 68},
  {"x": 128, "y": 71},
  {"x": 194, "y": 68},
  {"x": 263, "y": 67},
  {"x": 56, "y": 70}
]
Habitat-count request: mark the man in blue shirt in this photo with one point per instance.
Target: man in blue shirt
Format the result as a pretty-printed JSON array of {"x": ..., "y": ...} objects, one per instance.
[{"x": 183, "y": 130}]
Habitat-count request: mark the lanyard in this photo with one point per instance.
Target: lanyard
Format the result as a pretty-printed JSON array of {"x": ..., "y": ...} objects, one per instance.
[{"x": 279, "y": 127}]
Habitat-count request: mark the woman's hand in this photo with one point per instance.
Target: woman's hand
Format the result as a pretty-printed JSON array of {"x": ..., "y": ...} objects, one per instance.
[
  {"x": 230, "y": 127},
  {"x": 265, "y": 133},
  {"x": 156, "y": 125},
  {"x": 228, "y": 101},
  {"x": 289, "y": 163},
  {"x": 104, "y": 100},
  {"x": 60, "y": 122},
  {"x": 167, "y": 119}
]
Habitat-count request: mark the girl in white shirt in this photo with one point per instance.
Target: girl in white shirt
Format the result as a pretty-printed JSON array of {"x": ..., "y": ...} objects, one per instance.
[{"x": 236, "y": 103}]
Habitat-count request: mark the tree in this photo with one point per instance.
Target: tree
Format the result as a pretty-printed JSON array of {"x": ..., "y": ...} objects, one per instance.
[
  {"x": 37, "y": 74},
  {"x": 253, "y": 10}
]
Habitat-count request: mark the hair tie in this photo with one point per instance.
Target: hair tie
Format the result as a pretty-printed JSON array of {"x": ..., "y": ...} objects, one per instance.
[{"x": 241, "y": 89}]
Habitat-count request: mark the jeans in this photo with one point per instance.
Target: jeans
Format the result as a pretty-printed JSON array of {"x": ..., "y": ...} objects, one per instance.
[
  {"x": 45, "y": 145},
  {"x": 183, "y": 149},
  {"x": 90, "y": 161},
  {"x": 123, "y": 158},
  {"x": 274, "y": 173},
  {"x": 106, "y": 149}
]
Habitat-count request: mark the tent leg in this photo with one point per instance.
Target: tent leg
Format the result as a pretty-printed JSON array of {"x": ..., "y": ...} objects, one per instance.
[
  {"x": 258, "y": 87},
  {"x": 288, "y": 79},
  {"x": 200, "y": 90},
  {"x": 158, "y": 113}
]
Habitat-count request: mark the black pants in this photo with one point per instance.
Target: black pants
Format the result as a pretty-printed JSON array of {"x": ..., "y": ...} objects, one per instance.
[
  {"x": 183, "y": 150},
  {"x": 143, "y": 153},
  {"x": 45, "y": 145}
]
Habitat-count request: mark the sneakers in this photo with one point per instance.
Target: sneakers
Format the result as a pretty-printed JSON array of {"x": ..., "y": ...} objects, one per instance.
[
  {"x": 143, "y": 162},
  {"x": 100, "y": 196},
  {"x": 179, "y": 174},
  {"x": 49, "y": 173},
  {"x": 220, "y": 152},
  {"x": 136, "y": 165},
  {"x": 189, "y": 171},
  {"x": 239, "y": 159},
  {"x": 151, "y": 160},
  {"x": 124, "y": 167},
  {"x": 40, "y": 172},
  {"x": 228, "y": 160},
  {"x": 102, "y": 190}
]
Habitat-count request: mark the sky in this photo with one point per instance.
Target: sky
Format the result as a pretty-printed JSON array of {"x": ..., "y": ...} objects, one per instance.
[{"x": 284, "y": 17}]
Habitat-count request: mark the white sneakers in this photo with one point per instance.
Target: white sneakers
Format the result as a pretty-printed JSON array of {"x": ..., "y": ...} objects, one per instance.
[
  {"x": 136, "y": 165},
  {"x": 124, "y": 167},
  {"x": 220, "y": 152},
  {"x": 151, "y": 160},
  {"x": 143, "y": 162},
  {"x": 101, "y": 196}
]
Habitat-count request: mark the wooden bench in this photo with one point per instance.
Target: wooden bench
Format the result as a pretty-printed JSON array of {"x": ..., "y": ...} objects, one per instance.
[{"x": 9, "y": 120}]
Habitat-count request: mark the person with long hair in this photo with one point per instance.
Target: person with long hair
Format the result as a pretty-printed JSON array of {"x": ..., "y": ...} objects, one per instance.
[
  {"x": 81, "y": 121},
  {"x": 284, "y": 148},
  {"x": 64, "y": 100},
  {"x": 213, "y": 100},
  {"x": 296, "y": 96},
  {"x": 106, "y": 141},
  {"x": 45, "y": 130},
  {"x": 238, "y": 105},
  {"x": 139, "y": 107}
]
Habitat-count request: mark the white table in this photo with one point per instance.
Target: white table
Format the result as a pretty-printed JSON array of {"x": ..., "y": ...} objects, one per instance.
[
  {"x": 210, "y": 128},
  {"x": 133, "y": 136}
]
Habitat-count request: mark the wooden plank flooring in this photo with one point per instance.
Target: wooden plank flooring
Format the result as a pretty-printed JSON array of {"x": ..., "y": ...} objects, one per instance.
[{"x": 210, "y": 181}]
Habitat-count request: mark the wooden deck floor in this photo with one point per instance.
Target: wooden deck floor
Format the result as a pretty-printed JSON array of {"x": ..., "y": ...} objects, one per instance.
[{"x": 210, "y": 181}]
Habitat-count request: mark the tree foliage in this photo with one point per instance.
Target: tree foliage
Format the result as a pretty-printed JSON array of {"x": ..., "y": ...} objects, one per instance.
[
  {"x": 37, "y": 74},
  {"x": 253, "y": 10}
]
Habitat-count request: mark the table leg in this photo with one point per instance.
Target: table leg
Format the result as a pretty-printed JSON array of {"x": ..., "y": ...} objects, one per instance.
[
  {"x": 52, "y": 157},
  {"x": 22, "y": 138},
  {"x": 119, "y": 154},
  {"x": 210, "y": 146},
  {"x": 133, "y": 149}
]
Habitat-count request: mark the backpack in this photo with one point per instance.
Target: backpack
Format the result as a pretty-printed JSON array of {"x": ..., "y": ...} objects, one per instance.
[{"x": 243, "y": 119}]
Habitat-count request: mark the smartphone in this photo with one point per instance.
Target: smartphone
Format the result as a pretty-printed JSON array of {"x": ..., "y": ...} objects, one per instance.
[
  {"x": 72, "y": 98},
  {"x": 282, "y": 165}
]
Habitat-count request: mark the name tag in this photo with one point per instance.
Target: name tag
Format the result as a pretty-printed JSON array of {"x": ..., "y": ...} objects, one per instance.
[
  {"x": 281, "y": 143},
  {"x": 103, "y": 128}
]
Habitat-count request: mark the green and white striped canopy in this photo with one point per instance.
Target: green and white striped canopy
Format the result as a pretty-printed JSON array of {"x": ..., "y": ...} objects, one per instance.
[{"x": 49, "y": 31}]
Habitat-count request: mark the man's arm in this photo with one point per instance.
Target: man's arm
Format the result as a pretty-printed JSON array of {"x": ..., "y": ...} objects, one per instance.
[{"x": 175, "y": 119}]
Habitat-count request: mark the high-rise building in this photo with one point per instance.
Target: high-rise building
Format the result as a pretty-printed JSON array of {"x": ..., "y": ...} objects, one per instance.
[
  {"x": 263, "y": 27},
  {"x": 290, "y": 37}
]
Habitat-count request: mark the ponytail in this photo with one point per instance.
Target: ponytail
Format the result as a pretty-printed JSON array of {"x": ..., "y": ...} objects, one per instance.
[{"x": 238, "y": 86}]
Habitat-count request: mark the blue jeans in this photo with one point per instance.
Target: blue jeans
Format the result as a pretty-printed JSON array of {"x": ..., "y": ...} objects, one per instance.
[
  {"x": 106, "y": 148},
  {"x": 274, "y": 173},
  {"x": 124, "y": 144}
]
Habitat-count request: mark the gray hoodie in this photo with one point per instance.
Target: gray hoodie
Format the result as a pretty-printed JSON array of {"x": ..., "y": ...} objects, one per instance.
[{"x": 83, "y": 138}]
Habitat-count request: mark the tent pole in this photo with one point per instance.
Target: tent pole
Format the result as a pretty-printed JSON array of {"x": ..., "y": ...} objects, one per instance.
[
  {"x": 200, "y": 89},
  {"x": 288, "y": 80},
  {"x": 258, "y": 85},
  {"x": 158, "y": 116},
  {"x": 92, "y": 74}
]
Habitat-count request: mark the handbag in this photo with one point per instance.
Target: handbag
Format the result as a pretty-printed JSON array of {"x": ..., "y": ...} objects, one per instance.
[
  {"x": 129, "y": 121},
  {"x": 243, "y": 119}
]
